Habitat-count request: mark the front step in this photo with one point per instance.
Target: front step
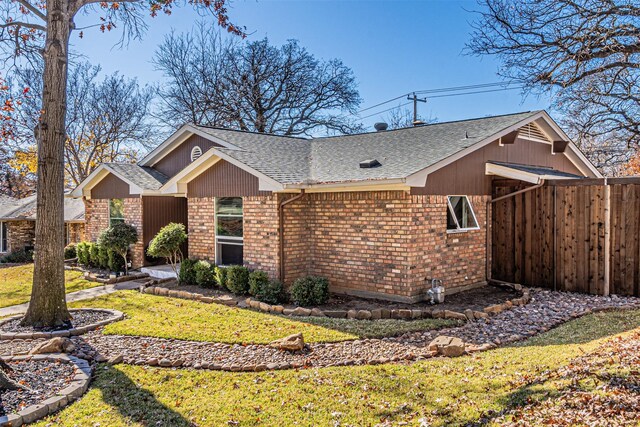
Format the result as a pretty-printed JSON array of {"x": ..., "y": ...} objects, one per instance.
[{"x": 160, "y": 272}]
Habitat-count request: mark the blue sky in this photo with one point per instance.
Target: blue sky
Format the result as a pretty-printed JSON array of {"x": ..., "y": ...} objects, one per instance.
[{"x": 393, "y": 47}]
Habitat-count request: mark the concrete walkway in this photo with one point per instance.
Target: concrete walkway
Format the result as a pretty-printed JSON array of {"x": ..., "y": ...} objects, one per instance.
[{"x": 77, "y": 296}]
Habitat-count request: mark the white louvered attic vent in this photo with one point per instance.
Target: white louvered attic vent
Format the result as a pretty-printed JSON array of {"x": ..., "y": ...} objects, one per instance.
[
  {"x": 532, "y": 131},
  {"x": 196, "y": 152}
]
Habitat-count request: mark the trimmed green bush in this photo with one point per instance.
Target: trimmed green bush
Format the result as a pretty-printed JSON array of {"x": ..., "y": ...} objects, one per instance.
[
  {"x": 103, "y": 256},
  {"x": 115, "y": 262},
  {"x": 265, "y": 289},
  {"x": 118, "y": 238},
  {"x": 205, "y": 274},
  {"x": 238, "y": 279},
  {"x": 82, "y": 251},
  {"x": 70, "y": 251},
  {"x": 18, "y": 257},
  {"x": 94, "y": 255},
  {"x": 166, "y": 244},
  {"x": 187, "y": 273},
  {"x": 310, "y": 290},
  {"x": 221, "y": 277}
]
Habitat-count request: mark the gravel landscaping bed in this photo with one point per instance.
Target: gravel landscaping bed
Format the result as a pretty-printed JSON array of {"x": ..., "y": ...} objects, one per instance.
[
  {"x": 83, "y": 320},
  {"x": 545, "y": 310},
  {"x": 44, "y": 378}
]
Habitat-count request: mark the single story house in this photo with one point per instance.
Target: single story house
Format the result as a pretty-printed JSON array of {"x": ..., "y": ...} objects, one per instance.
[
  {"x": 18, "y": 226},
  {"x": 379, "y": 214}
]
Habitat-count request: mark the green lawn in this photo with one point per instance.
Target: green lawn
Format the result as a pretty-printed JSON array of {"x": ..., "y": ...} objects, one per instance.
[
  {"x": 437, "y": 392},
  {"x": 162, "y": 317},
  {"x": 15, "y": 284}
]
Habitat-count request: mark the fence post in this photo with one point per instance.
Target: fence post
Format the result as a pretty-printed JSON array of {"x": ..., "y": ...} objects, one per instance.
[{"x": 607, "y": 238}]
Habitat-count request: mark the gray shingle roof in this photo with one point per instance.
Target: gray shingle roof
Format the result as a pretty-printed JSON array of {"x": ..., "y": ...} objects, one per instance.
[
  {"x": 26, "y": 209},
  {"x": 144, "y": 177},
  {"x": 538, "y": 170},
  {"x": 7, "y": 204},
  {"x": 401, "y": 152}
]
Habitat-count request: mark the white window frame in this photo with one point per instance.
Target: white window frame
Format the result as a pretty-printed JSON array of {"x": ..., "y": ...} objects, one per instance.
[
  {"x": 228, "y": 240},
  {"x": 455, "y": 219},
  {"x": 3, "y": 226}
]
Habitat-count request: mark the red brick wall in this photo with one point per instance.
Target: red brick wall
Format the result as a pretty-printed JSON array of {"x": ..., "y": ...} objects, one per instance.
[
  {"x": 20, "y": 234},
  {"x": 76, "y": 232},
  {"x": 385, "y": 244},
  {"x": 97, "y": 220},
  {"x": 201, "y": 228}
]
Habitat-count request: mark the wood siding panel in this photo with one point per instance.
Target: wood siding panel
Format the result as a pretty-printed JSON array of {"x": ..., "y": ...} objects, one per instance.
[
  {"x": 225, "y": 180},
  {"x": 467, "y": 175},
  {"x": 554, "y": 237},
  {"x": 112, "y": 187},
  {"x": 180, "y": 157}
]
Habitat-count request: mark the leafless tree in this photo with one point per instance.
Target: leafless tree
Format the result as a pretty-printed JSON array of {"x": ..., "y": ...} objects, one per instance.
[
  {"x": 254, "y": 86},
  {"x": 399, "y": 118},
  {"x": 107, "y": 119},
  {"x": 12, "y": 183},
  {"x": 42, "y": 27},
  {"x": 585, "y": 52}
]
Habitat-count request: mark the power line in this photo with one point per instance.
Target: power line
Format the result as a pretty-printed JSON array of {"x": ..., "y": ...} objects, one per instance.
[
  {"x": 439, "y": 96},
  {"x": 438, "y": 90}
]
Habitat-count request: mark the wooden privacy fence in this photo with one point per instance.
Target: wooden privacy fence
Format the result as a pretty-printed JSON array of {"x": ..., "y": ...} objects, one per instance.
[{"x": 569, "y": 235}]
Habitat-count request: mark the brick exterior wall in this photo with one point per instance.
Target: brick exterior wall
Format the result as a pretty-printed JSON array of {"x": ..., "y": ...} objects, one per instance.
[
  {"x": 20, "y": 234},
  {"x": 201, "y": 228},
  {"x": 76, "y": 232},
  {"x": 385, "y": 244},
  {"x": 97, "y": 220}
]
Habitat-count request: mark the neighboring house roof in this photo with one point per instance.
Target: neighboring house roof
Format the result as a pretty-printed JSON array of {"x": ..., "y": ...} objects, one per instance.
[
  {"x": 141, "y": 176},
  {"x": 8, "y": 204},
  {"x": 25, "y": 209}
]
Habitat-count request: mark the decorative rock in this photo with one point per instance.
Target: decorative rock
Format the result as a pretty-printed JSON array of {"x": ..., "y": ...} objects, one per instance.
[
  {"x": 376, "y": 314},
  {"x": 317, "y": 312},
  {"x": 54, "y": 345},
  {"x": 351, "y": 314},
  {"x": 301, "y": 311},
  {"x": 363, "y": 315},
  {"x": 494, "y": 309},
  {"x": 480, "y": 315},
  {"x": 264, "y": 307},
  {"x": 165, "y": 363},
  {"x": 437, "y": 313},
  {"x": 469, "y": 314},
  {"x": 291, "y": 343},
  {"x": 427, "y": 313},
  {"x": 150, "y": 290},
  {"x": 448, "y": 314},
  {"x": 416, "y": 314},
  {"x": 153, "y": 362},
  {"x": 336, "y": 314},
  {"x": 447, "y": 346},
  {"x": 12, "y": 420},
  {"x": 206, "y": 300},
  {"x": 287, "y": 311},
  {"x": 404, "y": 314},
  {"x": 33, "y": 413},
  {"x": 115, "y": 360},
  {"x": 385, "y": 313},
  {"x": 277, "y": 309},
  {"x": 254, "y": 303}
]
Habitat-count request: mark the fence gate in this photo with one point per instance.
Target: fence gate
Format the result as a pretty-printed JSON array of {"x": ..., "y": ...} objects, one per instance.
[{"x": 569, "y": 235}]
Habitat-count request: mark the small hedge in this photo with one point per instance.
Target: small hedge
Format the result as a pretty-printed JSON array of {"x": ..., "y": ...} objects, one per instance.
[
  {"x": 18, "y": 257},
  {"x": 221, "y": 277},
  {"x": 94, "y": 255},
  {"x": 310, "y": 290},
  {"x": 187, "y": 273},
  {"x": 70, "y": 251},
  {"x": 115, "y": 262},
  {"x": 98, "y": 256},
  {"x": 265, "y": 289},
  {"x": 205, "y": 274},
  {"x": 83, "y": 253},
  {"x": 238, "y": 279}
]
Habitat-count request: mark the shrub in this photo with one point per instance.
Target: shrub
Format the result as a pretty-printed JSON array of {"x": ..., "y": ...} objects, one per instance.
[
  {"x": 115, "y": 262},
  {"x": 70, "y": 251},
  {"x": 118, "y": 238},
  {"x": 265, "y": 289},
  {"x": 187, "y": 273},
  {"x": 103, "y": 256},
  {"x": 94, "y": 255},
  {"x": 83, "y": 253},
  {"x": 18, "y": 257},
  {"x": 221, "y": 277},
  {"x": 205, "y": 274},
  {"x": 310, "y": 290},
  {"x": 238, "y": 279},
  {"x": 166, "y": 244}
]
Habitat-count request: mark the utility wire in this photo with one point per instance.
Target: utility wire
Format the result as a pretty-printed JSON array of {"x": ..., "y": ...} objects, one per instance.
[
  {"x": 439, "y": 96},
  {"x": 439, "y": 90}
]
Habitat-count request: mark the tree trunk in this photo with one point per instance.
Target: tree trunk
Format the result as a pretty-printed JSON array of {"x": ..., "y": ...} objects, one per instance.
[{"x": 48, "y": 306}]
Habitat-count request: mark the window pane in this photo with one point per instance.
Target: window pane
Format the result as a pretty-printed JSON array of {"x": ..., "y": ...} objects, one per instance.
[
  {"x": 3, "y": 237},
  {"x": 229, "y": 226},
  {"x": 229, "y": 206},
  {"x": 230, "y": 254},
  {"x": 116, "y": 208},
  {"x": 463, "y": 213}
]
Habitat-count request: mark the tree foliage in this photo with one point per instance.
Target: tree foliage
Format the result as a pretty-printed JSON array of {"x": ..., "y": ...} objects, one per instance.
[
  {"x": 118, "y": 238},
  {"x": 254, "y": 86},
  {"x": 167, "y": 243},
  {"x": 585, "y": 52}
]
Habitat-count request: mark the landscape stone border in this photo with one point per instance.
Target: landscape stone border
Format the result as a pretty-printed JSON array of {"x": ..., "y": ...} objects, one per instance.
[
  {"x": 360, "y": 314},
  {"x": 116, "y": 316},
  {"x": 64, "y": 397}
]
